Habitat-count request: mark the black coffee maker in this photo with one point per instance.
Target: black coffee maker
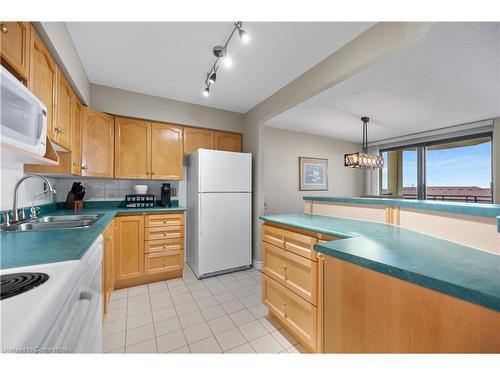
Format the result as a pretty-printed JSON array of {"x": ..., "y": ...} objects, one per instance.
[{"x": 165, "y": 195}]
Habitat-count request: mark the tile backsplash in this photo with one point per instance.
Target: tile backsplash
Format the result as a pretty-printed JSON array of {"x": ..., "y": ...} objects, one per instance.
[{"x": 113, "y": 189}]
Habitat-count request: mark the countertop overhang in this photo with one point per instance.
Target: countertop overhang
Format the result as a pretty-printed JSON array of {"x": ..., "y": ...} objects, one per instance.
[{"x": 460, "y": 271}]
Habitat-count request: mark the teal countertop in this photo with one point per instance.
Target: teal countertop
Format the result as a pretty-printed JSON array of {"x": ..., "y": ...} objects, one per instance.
[
  {"x": 29, "y": 248},
  {"x": 474, "y": 209},
  {"x": 460, "y": 271}
]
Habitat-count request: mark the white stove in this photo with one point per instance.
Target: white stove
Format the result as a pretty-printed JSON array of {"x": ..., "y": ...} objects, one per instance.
[{"x": 61, "y": 315}]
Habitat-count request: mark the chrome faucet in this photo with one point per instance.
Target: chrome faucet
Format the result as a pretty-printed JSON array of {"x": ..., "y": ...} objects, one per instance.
[{"x": 50, "y": 189}]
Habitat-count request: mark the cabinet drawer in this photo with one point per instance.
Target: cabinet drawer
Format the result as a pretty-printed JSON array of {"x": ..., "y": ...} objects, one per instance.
[
  {"x": 296, "y": 273},
  {"x": 161, "y": 233},
  {"x": 169, "y": 244},
  {"x": 163, "y": 261},
  {"x": 299, "y": 317},
  {"x": 167, "y": 220},
  {"x": 273, "y": 235},
  {"x": 300, "y": 244}
]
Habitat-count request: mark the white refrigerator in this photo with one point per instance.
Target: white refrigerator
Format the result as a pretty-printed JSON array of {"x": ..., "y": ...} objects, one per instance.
[{"x": 219, "y": 202}]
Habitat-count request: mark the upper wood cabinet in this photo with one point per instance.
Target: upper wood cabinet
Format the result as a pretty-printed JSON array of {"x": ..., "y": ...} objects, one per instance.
[
  {"x": 129, "y": 244},
  {"x": 132, "y": 148},
  {"x": 76, "y": 140},
  {"x": 227, "y": 141},
  {"x": 65, "y": 113},
  {"x": 195, "y": 138},
  {"x": 167, "y": 153},
  {"x": 97, "y": 144},
  {"x": 44, "y": 79},
  {"x": 15, "y": 47}
]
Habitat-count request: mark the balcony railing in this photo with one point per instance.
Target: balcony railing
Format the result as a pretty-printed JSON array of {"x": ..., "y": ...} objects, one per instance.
[{"x": 454, "y": 198}]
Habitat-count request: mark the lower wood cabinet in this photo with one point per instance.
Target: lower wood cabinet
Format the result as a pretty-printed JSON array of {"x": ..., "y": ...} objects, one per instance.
[
  {"x": 148, "y": 248},
  {"x": 108, "y": 267},
  {"x": 297, "y": 315},
  {"x": 291, "y": 281},
  {"x": 129, "y": 247}
]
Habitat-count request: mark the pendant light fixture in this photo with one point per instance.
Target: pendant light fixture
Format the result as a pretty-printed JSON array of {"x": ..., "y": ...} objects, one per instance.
[
  {"x": 363, "y": 159},
  {"x": 220, "y": 53}
]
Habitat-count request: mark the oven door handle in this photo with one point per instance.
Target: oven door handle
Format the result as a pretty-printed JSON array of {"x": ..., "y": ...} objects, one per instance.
[{"x": 82, "y": 317}]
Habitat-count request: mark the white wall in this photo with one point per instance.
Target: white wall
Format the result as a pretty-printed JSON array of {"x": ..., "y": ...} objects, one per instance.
[
  {"x": 10, "y": 173},
  {"x": 282, "y": 149},
  {"x": 133, "y": 104}
]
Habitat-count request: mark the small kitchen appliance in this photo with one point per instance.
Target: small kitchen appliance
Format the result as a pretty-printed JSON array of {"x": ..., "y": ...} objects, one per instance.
[{"x": 166, "y": 193}]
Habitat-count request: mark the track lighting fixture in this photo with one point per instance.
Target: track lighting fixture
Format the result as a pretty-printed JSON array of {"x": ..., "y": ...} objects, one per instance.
[{"x": 220, "y": 52}]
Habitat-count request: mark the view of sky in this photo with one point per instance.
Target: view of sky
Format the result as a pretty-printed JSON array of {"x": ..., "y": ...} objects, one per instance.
[{"x": 464, "y": 166}]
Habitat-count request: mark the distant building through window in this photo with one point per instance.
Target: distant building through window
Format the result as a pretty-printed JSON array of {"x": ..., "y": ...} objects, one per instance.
[{"x": 457, "y": 170}]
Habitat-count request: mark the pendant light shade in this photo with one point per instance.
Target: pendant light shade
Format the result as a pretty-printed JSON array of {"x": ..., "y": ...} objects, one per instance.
[{"x": 363, "y": 159}]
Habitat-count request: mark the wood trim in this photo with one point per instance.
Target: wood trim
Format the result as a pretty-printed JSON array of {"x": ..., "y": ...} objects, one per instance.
[
  {"x": 321, "y": 275},
  {"x": 145, "y": 279}
]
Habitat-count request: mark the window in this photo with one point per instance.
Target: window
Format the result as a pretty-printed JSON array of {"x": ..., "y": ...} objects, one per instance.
[{"x": 447, "y": 170}]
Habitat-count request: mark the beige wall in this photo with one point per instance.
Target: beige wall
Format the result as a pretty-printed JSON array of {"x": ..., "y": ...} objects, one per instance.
[
  {"x": 133, "y": 104},
  {"x": 282, "y": 149}
]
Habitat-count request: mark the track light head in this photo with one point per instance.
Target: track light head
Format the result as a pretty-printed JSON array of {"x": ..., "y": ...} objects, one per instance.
[
  {"x": 212, "y": 77},
  {"x": 245, "y": 38},
  {"x": 206, "y": 92},
  {"x": 227, "y": 61}
]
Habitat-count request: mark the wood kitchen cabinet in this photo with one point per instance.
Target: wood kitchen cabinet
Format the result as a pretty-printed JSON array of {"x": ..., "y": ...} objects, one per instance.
[
  {"x": 44, "y": 79},
  {"x": 167, "y": 151},
  {"x": 129, "y": 247},
  {"x": 291, "y": 281},
  {"x": 97, "y": 144},
  {"x": 161, "y": 255},
  {"x": 108, "y": 277},
  {"x": 195, "y": 138},
  {"x": 76, "y": 140},
  {"x": 65, "y": 113},
  {"x": 132, "y": 148},
  {"x": 224, "y": 141},
  {"x": 15, "y": 48}
]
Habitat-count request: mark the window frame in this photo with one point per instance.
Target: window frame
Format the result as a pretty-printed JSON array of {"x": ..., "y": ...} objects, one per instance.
[{"x": 421, "y": 148}]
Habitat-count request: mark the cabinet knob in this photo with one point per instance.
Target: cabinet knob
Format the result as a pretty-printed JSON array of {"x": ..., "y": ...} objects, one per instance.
[
  {"x": 110, "y": 238},
  {"x": 84, "y": 167},
  {"x": 4, "y": 28},
  {"x": 76, "y": 164},
  {"x": 61, "y": 130}
]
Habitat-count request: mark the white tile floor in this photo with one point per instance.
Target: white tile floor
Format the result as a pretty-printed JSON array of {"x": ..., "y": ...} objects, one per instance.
[{"x": 222, "y": 314}]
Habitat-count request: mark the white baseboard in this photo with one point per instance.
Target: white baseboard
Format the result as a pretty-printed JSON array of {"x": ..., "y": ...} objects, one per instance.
[{"x": 257, "y": 264}]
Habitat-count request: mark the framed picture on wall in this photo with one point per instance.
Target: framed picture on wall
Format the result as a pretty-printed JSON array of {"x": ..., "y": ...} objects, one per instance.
[{"x": 313, "y": 174}]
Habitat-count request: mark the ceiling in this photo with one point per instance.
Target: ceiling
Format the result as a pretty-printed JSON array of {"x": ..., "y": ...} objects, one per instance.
[
  {"x": 171, "y": 59},
  {"x": 450, "y": 77}
]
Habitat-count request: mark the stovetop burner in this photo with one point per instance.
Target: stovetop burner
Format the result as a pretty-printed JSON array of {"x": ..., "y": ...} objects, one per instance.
[{"x": 17, "y": 283}]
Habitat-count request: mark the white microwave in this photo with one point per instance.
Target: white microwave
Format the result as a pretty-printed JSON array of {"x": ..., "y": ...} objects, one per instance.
[{"x": 23, "y": 117}]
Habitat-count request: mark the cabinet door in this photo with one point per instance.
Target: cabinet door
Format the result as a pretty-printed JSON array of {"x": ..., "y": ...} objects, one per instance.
[
  {"x": 65, "y": 113},
  {"x": 76, "y": 140},
  {"x": 164, "y": 261},
  {"x": 132, "y": 148},
  {"x": 297, "y": 315},
  {"x": 129, "y": 247},
  {"x": 166, "y": 152},
  {"x": 227, "y": 141},
  {"x": 108, "y": 264},
  {"x": 97, "y": 144},
  {"x": 15, "y": 47},
  {"x": 43, "y": 79},
  {"x": 197, "y": 138},
  {"x": 296, "y": 273}
]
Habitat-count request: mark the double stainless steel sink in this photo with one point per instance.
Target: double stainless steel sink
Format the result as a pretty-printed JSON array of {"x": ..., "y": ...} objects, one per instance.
[{"x": 56, "y": 222}]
